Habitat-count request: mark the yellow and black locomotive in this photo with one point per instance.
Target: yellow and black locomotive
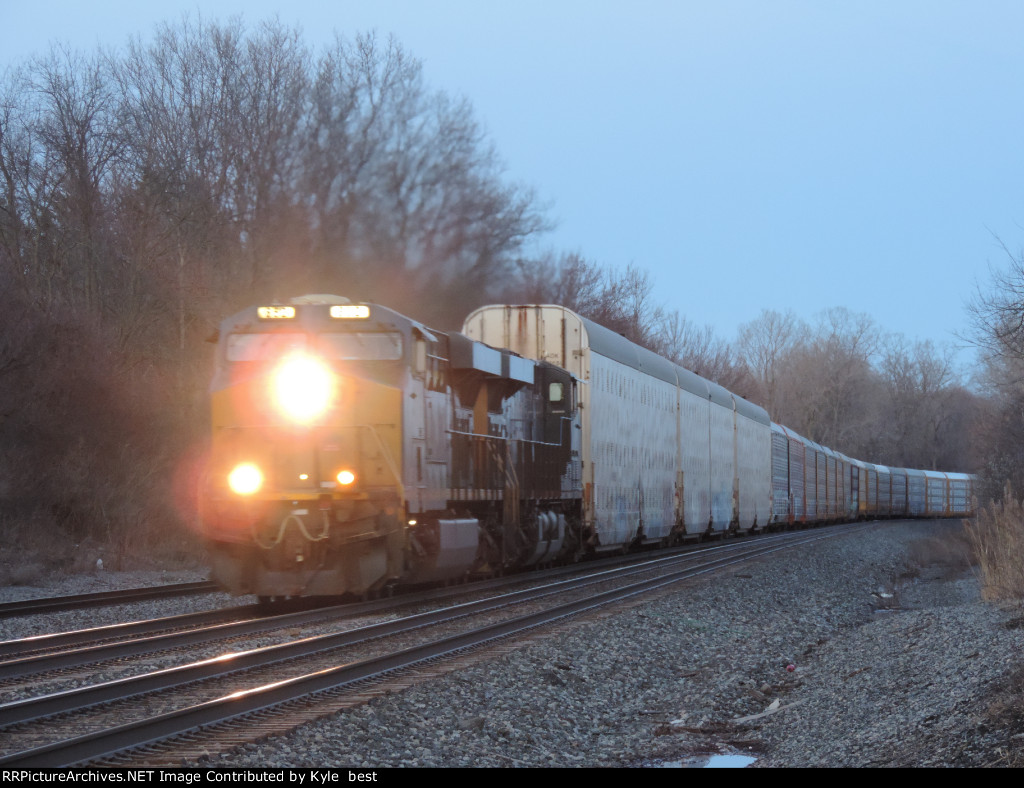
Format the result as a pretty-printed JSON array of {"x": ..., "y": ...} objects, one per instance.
[{"x": 354, "y": 448}]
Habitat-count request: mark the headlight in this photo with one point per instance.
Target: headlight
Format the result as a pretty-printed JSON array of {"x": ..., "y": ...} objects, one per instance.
[
  {"x": 303, "y": 388},
  {"x": 245, "y": 479},
  {"x": 346, "y": 478}
]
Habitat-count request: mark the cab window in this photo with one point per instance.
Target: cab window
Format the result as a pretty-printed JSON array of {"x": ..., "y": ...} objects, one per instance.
[
  {"x": 263, "y": 347},
  {"x": 362, "y": 345}
]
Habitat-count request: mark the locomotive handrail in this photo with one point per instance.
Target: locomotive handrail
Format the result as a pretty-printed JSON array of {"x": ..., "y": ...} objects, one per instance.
[{"x": 561, "y": 429}]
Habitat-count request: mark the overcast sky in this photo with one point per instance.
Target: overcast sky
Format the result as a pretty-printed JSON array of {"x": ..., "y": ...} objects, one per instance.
[{"x": 749, "y": 154}]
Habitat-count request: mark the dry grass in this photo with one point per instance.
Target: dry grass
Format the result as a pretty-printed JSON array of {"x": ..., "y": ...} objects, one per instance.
[
  {"x": 996, "y": 536},
  {"x": 947, "y": 555},
  {"x": 1005, "y": 713},
  {"x": 33, "y": 548}
]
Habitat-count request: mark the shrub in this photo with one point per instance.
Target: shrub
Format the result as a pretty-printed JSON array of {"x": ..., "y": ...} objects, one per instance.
[{"x": 996, "y": 535}]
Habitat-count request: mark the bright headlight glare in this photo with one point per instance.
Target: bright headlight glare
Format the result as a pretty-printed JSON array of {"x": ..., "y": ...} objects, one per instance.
[
  {"x": 245, "y": 479},
  {"x": 303, "y": 388},
  {"x": 346, "y": 477}
]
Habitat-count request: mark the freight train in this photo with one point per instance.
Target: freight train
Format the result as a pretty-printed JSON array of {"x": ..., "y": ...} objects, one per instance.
[{"x": 354, "y": 449}]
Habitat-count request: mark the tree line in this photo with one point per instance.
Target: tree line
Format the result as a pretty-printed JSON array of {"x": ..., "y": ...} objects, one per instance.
[{"x": 146, "y": 193}]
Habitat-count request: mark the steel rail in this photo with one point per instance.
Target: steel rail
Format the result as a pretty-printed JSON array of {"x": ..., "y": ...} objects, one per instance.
[
  {"x": 26, "y": 647},
  {"x": 58, "y": 604}
]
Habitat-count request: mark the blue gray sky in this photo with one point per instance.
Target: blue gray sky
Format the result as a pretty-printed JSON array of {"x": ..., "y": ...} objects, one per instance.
[{"x": 750, "y": 154}]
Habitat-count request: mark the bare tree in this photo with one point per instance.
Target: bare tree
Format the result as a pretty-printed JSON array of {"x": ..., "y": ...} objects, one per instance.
[
  {"x": 569, "y": 280},
  {"x": 621, "y": 300},
  {"x": 997, "y": 313},
  {"x": 700, "y": 350},
  {"x": 922, "y": 391},
  {"x": 829, "y": 391},
  {"x": 997, "y": 316},
  {"x": 763, "y": 344},
  {"x": 413, "y": 200}
]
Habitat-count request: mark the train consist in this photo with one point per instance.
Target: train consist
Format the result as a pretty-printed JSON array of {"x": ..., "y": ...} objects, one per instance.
[{"x": 354, "y": 449}]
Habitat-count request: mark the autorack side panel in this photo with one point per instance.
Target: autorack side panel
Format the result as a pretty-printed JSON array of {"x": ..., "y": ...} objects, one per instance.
[
  {"x": 859, "y": 479},
  {"x": 830, "y": 483},
  {"x": 754, "y": 463},
  {"x": 821, "y": 461},
  {"x": 935, "y": 500},
  {"x": 959, "y": 494},
  {"x": 849, "y": 510},
  {"x": 884, "y": 490},
  {"x": 828, "y": 458},
  {"x": 798, "y": 474},
  {"x": 695, "y": 455},
  {"x": 854, "y": 481},
  {"x": 843, "y": 485},
  {"x": 633, "y": 445},
  {"x": 782, "y": 499},
  {"x": 839, "y": 477},
  {"x": 842, "y": 479},
  {"x": 633, "y": 453},
  {"x": 656, "y": 399},
  {"x": 917, "y": 492},
  {"x": 722, "y": 438},
  {"x": 871, "y": 487},
  {"x": 898, "y": 478},
  {"x": 811, "y": 481}
]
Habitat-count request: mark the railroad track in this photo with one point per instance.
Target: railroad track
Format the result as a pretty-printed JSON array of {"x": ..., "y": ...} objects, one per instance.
[
  {"x": 243, "y": 696},
  {"x": 63, "y": 651},
  {"x": 79, "y": 601}
]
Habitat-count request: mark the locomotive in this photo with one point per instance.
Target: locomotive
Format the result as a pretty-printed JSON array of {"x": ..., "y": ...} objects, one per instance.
[{"x": 354, "y": 449}]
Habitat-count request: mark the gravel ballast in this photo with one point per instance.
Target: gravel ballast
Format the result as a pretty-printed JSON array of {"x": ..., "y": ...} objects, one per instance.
[
  {"x": 873, "y": 649},
  {"x": 895, "y": 664}
]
